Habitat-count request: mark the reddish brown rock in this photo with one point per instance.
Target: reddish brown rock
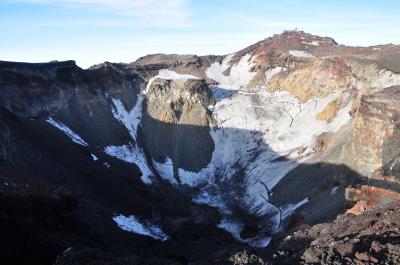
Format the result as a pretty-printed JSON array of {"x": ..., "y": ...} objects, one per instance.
[
  {"x": 368, "y": 197},
  {"x": 376, "y": 123}
]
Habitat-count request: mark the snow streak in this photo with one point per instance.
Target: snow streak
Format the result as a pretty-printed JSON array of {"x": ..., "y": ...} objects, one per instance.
[
  {"x": 73, "y": 136},
  {"x": 134, "y": 225}
]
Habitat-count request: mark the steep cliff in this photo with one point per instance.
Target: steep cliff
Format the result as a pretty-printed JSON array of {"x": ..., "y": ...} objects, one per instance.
[
  {"x": 375, "y": 139},
  {"x": 177, "y": 117}
]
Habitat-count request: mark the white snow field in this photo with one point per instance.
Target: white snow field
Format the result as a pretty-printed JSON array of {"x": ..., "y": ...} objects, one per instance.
[
  {"x": 166, "y": 170},
  {"x": 300, "y": 53},
  {"x": 171, "y": 75},
  {"x": 271, "y": 72},
  {"x": 134, "y": 225},
  {"x": 254, "y": 131},
  {"x": 240, "y": 75}
]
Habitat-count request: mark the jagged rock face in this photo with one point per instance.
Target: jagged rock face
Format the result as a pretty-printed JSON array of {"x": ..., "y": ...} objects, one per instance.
[
  {"x": 79, "y": 98},
  {"x": 182, "y": 64},
  {"x": 375, "y": 135},
  {"x": 30, "y": 91},
  {"x": 29, "y": 94},
  {"x": 176, "y": 123},
  {"x": 370, "y": 76},
  {"x": 370, "y": 238},
  {"x": 185, "y": 102}
]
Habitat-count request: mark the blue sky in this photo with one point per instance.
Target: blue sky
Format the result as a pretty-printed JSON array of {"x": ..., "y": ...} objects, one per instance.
[{"x": 93, "y": 31}]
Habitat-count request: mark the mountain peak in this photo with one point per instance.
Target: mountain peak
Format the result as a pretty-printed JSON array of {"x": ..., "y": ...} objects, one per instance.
[{"x": 301, "y": 36}]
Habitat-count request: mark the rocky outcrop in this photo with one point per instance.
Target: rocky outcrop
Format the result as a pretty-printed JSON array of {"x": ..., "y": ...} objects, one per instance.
[
  {"x": 367, "y": 197},
  {"x": 370, "y": 76},
  {"x": 317, "y": 78},
  {"x": 185, "y": 102},
  {"x": 182, "y": 64},
  {"x": 330, "y": 111},
  {"x": 177, "y": 116},
  {"x": 270, "y": 51},
  {"x": 375, "y": 139},
  {"x": 370, "y": 238},
  {"x": 30, "y": 91}
]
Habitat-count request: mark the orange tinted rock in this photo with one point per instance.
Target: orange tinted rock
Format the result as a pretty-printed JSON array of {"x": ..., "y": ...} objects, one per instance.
[
  {"x": 330, "y": 110},
  {"x": 317, "y": 78},
  {"x": 368, "y": 197},
  {"x": 322, "y": 142},
  {"x": 376, "y": 120},
  {"x": 358, "y": 208}
]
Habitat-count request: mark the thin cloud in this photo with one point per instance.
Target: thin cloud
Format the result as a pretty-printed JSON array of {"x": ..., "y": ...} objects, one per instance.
[{"x": 167, "y": 13}]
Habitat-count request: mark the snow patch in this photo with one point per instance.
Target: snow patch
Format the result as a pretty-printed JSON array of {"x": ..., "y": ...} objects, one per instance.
[
  {"x": 130, "y": 119},
  {"x": 194, "y": 179},
  {"x": 213, "y": 200},
  {"x": 168, "y": 75},
  {"x": 289, "y": 209},
  {"x": 73, "y": 136},
  {"x": 215, "y": 70},
  {"x": 239, "y": 76},
  {"x": 166, "y": 170},
  {"x": 334, "y": 190},
  {"x": 314, "y": 43},
  {"x": 134, "y": 155},
  {"x": 271, "y": 72},
  {"x": 234, "y": 228},
  {"x": 134, "y": 225},
  {"x": 172, "y": 75},
  {"x": 130, "y": 153},
  {"x": 297, "y": 53}
]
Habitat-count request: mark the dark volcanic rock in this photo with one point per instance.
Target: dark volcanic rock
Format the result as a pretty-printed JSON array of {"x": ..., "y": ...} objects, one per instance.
[
  {"x": 85, "y": 256},
  {"x": 38, "y": 220},
  {"x": 183, "y": 64},
  {"x": 372, "y": 237}
]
